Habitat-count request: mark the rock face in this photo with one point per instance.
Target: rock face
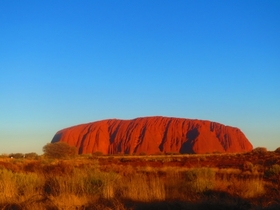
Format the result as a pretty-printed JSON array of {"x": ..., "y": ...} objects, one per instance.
[{"x": 152, "y": 135}]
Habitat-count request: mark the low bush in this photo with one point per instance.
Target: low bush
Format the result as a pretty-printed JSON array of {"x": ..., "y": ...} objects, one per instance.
[
  {"x": 200, "y": 179},
  {"x": 31, "y": 155},
  {"x": 97, "y": 154},
  {"x": 248, "y": 166},
  {"x": 260, "y": 150},
  {"x": 16, "y": 155},
  {"x": 277, "y": 150},
  {"x": 4, "y": 156},
  {"x": 274, "y": 170}
]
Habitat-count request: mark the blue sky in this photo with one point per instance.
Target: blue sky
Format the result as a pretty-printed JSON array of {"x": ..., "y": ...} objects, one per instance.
[{"x": 64, "y": 63}]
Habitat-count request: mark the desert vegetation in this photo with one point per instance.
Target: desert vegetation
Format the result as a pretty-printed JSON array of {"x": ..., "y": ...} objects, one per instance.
[{"x": 94, "y": 181}]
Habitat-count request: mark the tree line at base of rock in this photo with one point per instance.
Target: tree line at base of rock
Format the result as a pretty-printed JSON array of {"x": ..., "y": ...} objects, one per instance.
[{"x": 61, "y": 150}]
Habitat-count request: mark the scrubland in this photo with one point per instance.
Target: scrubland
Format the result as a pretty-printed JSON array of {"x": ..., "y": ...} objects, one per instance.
[{"x": 210, "y": 181}]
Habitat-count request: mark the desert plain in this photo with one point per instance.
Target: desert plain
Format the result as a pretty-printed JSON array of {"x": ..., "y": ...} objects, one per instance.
[{"x": 249, "y": 180}]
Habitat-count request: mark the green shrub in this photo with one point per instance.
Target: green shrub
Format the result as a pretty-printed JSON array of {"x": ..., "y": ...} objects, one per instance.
[
  {"x": 200, "y": 179},
  {"x": 273, "y": 170},
  {"x": 28, "y": 184}
]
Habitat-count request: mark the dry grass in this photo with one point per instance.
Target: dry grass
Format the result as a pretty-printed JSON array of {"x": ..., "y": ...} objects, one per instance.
[
  {"x": 243, "y": 188},
  {"x": 87, "y": 184},
  {"x": 142, "y": 187}
]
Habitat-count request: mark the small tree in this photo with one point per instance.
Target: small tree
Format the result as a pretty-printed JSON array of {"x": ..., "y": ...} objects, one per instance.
[
  {"x": 4, "y": 156},
  {"x": 277, "y": 150},
  {"x": 260, "y": 150},
  {"x": 59, "y": 150},
  {"x": 31, "y": 155},
  {"x": 16, "y": 155}
]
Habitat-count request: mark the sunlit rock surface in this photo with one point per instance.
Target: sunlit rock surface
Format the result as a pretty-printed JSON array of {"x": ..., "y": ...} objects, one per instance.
[{"x": 153, "y": 135}]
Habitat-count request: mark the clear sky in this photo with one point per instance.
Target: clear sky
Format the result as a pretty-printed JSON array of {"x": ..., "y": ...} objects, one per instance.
[{"x": 69, "y": 62}]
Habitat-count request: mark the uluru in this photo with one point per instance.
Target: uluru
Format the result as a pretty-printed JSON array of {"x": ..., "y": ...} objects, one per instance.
[{"x": 154, "y": 135}]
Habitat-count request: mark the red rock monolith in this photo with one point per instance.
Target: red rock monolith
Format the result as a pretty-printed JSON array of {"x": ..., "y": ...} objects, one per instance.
[{"x": 153, "y": 135}]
